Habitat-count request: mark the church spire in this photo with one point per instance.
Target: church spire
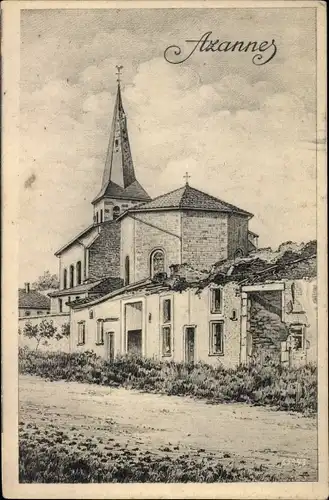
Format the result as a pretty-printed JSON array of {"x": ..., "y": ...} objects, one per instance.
[
  {"x": 119, "y": 180},
  {"x": 119, "y": 166}
]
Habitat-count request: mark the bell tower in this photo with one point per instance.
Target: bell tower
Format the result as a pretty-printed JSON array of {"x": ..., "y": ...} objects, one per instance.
[{"x": 120, "y": 188}]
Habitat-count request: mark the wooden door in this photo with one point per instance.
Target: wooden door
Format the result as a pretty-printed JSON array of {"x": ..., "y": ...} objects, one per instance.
[
  {"x": 110, "y": 346},
  {"x": 135, "y": 342},
  {"x": 190, "y": 344}
]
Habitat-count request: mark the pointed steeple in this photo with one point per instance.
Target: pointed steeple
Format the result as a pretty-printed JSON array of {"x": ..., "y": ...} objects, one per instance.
[{"x": 119, "y": 173}]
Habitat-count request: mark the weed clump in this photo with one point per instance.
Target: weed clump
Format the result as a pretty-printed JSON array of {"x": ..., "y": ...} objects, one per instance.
[{"x": 270, "y": 384}]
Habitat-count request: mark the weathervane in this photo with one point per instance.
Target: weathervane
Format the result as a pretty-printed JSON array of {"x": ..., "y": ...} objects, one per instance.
[
  {"x": 187, "y": 177},
  {"x": 119, "y": 68}
]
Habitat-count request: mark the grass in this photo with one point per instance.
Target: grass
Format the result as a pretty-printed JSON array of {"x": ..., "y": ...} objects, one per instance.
[
  {"x": 51, "y": 456},
  {"x": 274, "y": 385}
]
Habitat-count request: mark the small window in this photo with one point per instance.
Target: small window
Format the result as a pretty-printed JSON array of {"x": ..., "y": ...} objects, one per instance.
[
  {"x": 81, "y": 333},
  {"x": 68, "y": 300},
  {"x": 166, "y": 340},
  {"x": 27, "y": 313},
  {"x": 116, "y": 143},
  {"x": 217, "y": 300},
  {"x": 77, "y": 297},
  {"x": 216, "y": 338},
  {"x": 101, "y": 215},
  {"x": 297, "y": 337},
  {"x": 127, "y": 270},
  {"x": 96, "y": 217},
  {"x": 79, "y": 273},
  {"x": 71, "y": 276},
  {"x": 100, "y": 331},
  {"x": 238, "y": 253},
  {"x": 166, "y": 310},
  {"x": 91, "y": 314},
  {"x": 60, "y": 305},
  {"x": 65, "y": 278},
  {"x": 116, "y": 212},
  {"x": 39, "y": 312}
]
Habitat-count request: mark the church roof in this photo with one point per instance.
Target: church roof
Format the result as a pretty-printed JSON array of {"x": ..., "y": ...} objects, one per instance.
[
  {"x": 189, "y": 198},
  {"x": 119, "y": 180},
  {"x": 133, "y": 192}
]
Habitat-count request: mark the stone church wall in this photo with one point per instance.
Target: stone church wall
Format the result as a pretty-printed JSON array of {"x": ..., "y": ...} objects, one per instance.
[
  {"x": 237, "y": 235},
  {"x": 104, "y": 253},
  {"x": 156, "y": 230},
  {"x": 204, "y": 238}
]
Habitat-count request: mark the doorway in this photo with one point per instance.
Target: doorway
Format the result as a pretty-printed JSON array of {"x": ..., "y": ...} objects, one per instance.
[
  {"x": 189, "y": 344},
  {"x": 135, "y": 342},
  {"x": 134, "y": 327},
  {"x": 109, "y": 346}
]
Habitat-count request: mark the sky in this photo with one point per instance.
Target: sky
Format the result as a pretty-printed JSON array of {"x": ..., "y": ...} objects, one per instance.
[{"x": 245, "y": 133}]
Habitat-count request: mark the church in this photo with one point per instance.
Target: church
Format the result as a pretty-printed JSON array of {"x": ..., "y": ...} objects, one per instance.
[
  {"x": 133, "y": 237},
  {"x": 136, "y": 280}
]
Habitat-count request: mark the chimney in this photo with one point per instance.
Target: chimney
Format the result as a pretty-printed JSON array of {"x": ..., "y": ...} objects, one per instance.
[{"x": 27, "y": 287}]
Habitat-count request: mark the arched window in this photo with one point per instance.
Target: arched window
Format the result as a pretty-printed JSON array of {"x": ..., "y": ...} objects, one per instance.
[
  {"x": 96, "y": 217},
  {"x": 238, "y": 253},
  {"x": 71, "y": 276},
  {"x": 101, "y": 215},
  {"x": 116, "y": 212},
  {"x": 157, "y": 262},
  {"x": 65, "y": 278},
  {"x": 79, "y": 272},
  {"x": 127, "y": 270}
]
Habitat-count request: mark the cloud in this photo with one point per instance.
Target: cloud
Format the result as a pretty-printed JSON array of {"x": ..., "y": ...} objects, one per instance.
[{"x": 242, "y": 132}]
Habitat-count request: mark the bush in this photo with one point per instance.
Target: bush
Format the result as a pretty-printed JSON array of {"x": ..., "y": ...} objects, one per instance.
[{"x": 291, "y": 389}]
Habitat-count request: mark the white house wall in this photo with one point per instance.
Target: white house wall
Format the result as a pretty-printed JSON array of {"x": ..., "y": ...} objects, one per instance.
[{"x": 188, "y": 309}]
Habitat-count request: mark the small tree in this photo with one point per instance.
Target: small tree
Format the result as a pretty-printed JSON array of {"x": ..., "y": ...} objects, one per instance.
[
  {"x": 64, "y": 333},
  {"x": 42, "y": 332},
  {"x": 46, "y": 281}
]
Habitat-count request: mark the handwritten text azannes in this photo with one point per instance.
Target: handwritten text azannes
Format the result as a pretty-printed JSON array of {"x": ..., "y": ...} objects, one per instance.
[{"x": 263, "y": 52}]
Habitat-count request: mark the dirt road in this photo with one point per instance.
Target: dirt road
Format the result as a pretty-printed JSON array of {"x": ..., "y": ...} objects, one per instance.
[{"x": 284, "y": 443}]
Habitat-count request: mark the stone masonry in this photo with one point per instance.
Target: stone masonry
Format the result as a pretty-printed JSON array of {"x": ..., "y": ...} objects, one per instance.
[{"x": 104, "y": 253}]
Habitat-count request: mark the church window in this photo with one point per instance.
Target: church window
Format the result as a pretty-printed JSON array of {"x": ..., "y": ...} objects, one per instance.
[
  {"x": 81, "y": 332},
  {"x": 65, "y": 278},
  {"x": 238, "y": 253},
  {"x": 216, "y": 300},
  {"x": 157, "y": 262},
  {"x": 116, "y": 212},
  {"x": 71, "y": 276},
  {"x": 79, "y": 273},
  {"x": 100, "y": 331},
  {"x": 127, "y": 270},
  {"x": 216, "y": 346}
]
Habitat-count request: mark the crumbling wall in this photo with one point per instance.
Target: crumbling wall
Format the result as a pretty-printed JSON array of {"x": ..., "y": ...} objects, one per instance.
[{"x": 266, "y": 326}]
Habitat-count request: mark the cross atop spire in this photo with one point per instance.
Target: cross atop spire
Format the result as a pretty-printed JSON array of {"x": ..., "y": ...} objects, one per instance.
[
  {"x": 186, "y": 177},
  {"x": 118, "y": 73}
]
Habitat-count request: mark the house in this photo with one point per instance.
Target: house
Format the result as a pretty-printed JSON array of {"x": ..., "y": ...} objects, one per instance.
[
  {"x": 240, "y": 310},
  {"x": 31, "y": 302}
]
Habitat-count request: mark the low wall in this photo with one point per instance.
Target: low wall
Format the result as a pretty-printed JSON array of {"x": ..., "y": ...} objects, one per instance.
[{"x": 58, "y": 319}]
